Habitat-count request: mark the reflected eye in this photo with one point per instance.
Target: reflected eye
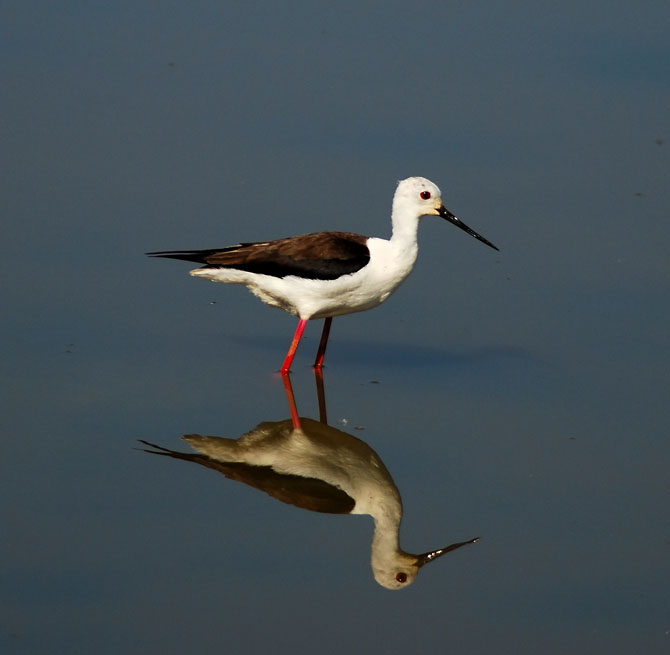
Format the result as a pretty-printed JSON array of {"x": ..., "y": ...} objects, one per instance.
[
  {"x": 402, "y": 577},
  {"x": 425, "y": 195}
]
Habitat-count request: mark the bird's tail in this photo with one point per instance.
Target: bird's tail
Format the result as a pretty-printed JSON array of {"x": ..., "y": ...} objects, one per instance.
[{"x": 197, "y": 256}]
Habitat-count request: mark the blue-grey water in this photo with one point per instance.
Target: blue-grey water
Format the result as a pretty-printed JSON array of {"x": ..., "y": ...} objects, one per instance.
[{"x": 518, "y": 396}]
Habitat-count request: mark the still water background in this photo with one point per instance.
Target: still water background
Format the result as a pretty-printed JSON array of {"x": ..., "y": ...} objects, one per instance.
[{"x": 520, "y": 396}]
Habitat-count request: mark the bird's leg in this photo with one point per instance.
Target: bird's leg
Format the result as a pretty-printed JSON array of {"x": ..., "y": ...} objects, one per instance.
[
  {"x": 321, "y": 395},
  {"x": 294, "y": 345},
  {"x": 321, "y": 352},
  {"x": 295, "y": 419}
]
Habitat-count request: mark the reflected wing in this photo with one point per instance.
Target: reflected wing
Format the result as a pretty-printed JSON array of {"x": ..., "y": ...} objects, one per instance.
[{"x": 306, "y": 493}]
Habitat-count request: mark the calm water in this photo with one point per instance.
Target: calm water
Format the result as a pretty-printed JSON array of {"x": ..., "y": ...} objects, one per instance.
[{"x": 518, "y": 396}]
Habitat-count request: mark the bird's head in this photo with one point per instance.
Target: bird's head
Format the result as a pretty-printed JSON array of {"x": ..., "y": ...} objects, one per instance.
[
  {"x": 417, "y": 196},
  {"x": 399, "y": 570}
]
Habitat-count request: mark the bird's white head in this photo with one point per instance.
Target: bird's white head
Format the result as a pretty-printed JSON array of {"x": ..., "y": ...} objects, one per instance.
[
  {"x": 419, "y": 196},
  {"x": 416, "y": 197}
]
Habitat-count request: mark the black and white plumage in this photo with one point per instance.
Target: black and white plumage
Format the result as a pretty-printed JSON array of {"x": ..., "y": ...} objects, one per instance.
[{"x": 328, "y": 274}]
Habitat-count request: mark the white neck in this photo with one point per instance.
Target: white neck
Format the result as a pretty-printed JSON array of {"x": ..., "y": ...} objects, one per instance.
[{"x": 405, "y": 226}]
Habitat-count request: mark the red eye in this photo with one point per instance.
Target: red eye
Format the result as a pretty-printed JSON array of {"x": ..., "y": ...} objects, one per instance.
[
  {"x": 402, "y": 577},
  {"x": 425, "y": 195}
]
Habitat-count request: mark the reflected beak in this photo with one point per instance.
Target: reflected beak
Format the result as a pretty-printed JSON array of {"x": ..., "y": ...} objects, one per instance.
[
  {"x": 434, "y": 554},
  {"x": 446, "y": 214}
]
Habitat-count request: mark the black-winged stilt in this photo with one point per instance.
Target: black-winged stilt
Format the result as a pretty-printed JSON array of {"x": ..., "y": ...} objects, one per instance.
[
  {"x": 328, "y": 274},
  {"x": 313, "y": 466}
]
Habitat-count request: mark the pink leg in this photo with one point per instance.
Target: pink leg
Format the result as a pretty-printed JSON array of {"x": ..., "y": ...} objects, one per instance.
[
  {"x": 294, "y": 345},
  {"x": 321, "y": 352},
  {"x": 295, "y": 419}
]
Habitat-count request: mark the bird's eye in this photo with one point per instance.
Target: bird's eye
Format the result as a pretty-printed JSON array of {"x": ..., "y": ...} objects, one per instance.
[
  {"x": 425, "y": 195},
  {"x": 402, "y": 577}
]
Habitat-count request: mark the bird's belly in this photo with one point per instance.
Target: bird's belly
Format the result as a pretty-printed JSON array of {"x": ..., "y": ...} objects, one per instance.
[
  {"x": 347, "y": 295},
  {"x": 321, "y": 298},
  {"x": 348, "y": 303}
]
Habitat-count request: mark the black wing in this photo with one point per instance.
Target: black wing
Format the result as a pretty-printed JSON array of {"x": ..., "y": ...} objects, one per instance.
[{"x": 319, "y": 256}]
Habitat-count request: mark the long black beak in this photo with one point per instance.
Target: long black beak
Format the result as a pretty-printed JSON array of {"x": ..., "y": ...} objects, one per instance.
[
  {"x": 434, "y": 554},
  {"x": 446, "y": 214}
]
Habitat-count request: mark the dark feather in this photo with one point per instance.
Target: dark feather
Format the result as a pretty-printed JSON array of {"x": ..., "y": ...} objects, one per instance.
[
  {"x": 320, "y": 256},
  {"x": 307, "y": 493}
]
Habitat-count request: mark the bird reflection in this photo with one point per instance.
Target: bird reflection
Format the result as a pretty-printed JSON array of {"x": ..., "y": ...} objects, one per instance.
[{"x": 314, "y": 466}]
